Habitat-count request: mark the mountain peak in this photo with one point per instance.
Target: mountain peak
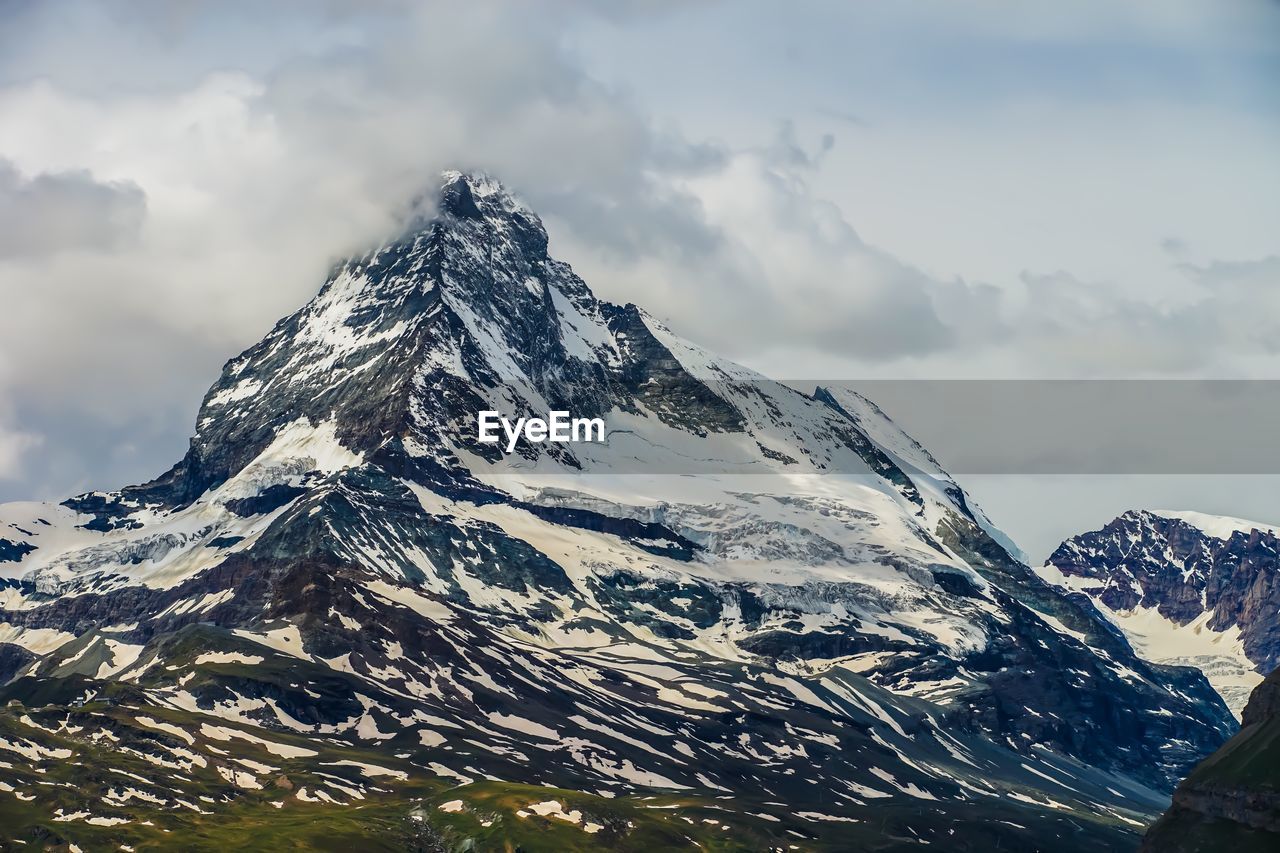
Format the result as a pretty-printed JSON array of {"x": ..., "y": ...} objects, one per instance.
[
  {"x": 406, "y": 338},
  {"x": 478, "y": 197}
]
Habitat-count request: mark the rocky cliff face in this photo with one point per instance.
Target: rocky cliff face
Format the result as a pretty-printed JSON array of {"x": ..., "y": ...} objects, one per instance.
[
  {"x": 339, "y": 597},
  {"x": 1188, "y": 588},
  {"x": 1231, "y": 801}
]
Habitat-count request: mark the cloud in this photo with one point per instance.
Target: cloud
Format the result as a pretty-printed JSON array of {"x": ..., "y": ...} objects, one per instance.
[
  {"x": 1253, "y": 278},
  {"x": 14, "y": 447},
  {"x": 747, "y": 256},
  {"x": 66, "y": 210},
  {"x": 178, "y": 176},
  {"x": 16, "y": 444},
  {"x": 1068, "y": 327},
  {"x": 206, "y": 202},
  {"x": 255, "y": 182}
]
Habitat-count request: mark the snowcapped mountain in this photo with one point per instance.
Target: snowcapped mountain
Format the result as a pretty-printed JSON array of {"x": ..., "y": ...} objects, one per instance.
[
  {"x": 1185, "y": 588},
  {"x": 750, "y": 613}
]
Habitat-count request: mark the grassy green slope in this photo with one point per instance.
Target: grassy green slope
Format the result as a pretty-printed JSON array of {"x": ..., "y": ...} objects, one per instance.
[{"x": 117, "y": 777}]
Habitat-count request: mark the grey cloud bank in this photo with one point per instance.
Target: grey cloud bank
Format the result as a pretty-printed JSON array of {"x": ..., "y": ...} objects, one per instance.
[{"x": 50, "y": 213}]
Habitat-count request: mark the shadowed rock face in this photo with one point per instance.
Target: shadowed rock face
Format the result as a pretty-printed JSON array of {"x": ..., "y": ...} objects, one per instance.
[
  {"x": 1231, "y": 801},
  {"x": 336, "y": 558},
  {"x": 13, "y": 552},
  {"x": 1143, "y": 559}
]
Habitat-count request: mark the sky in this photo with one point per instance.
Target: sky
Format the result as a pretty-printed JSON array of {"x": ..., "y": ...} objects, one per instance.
[{"x": 820, "y": 190}]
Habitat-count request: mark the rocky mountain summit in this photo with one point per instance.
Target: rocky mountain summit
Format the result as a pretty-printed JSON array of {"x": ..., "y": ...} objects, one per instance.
[
  {"x": 1186, "y": 588},
  {"x": 752, "y": 617}
]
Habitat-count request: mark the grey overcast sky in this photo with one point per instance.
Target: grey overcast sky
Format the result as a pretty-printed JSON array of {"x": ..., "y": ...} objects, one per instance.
[{"x": 817, "y": 189}]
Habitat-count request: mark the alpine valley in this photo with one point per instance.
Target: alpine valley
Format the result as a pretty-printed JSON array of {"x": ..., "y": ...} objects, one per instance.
[
  {"x": 1200, "y": 590},
  {"x": 754, "y": 618}
]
